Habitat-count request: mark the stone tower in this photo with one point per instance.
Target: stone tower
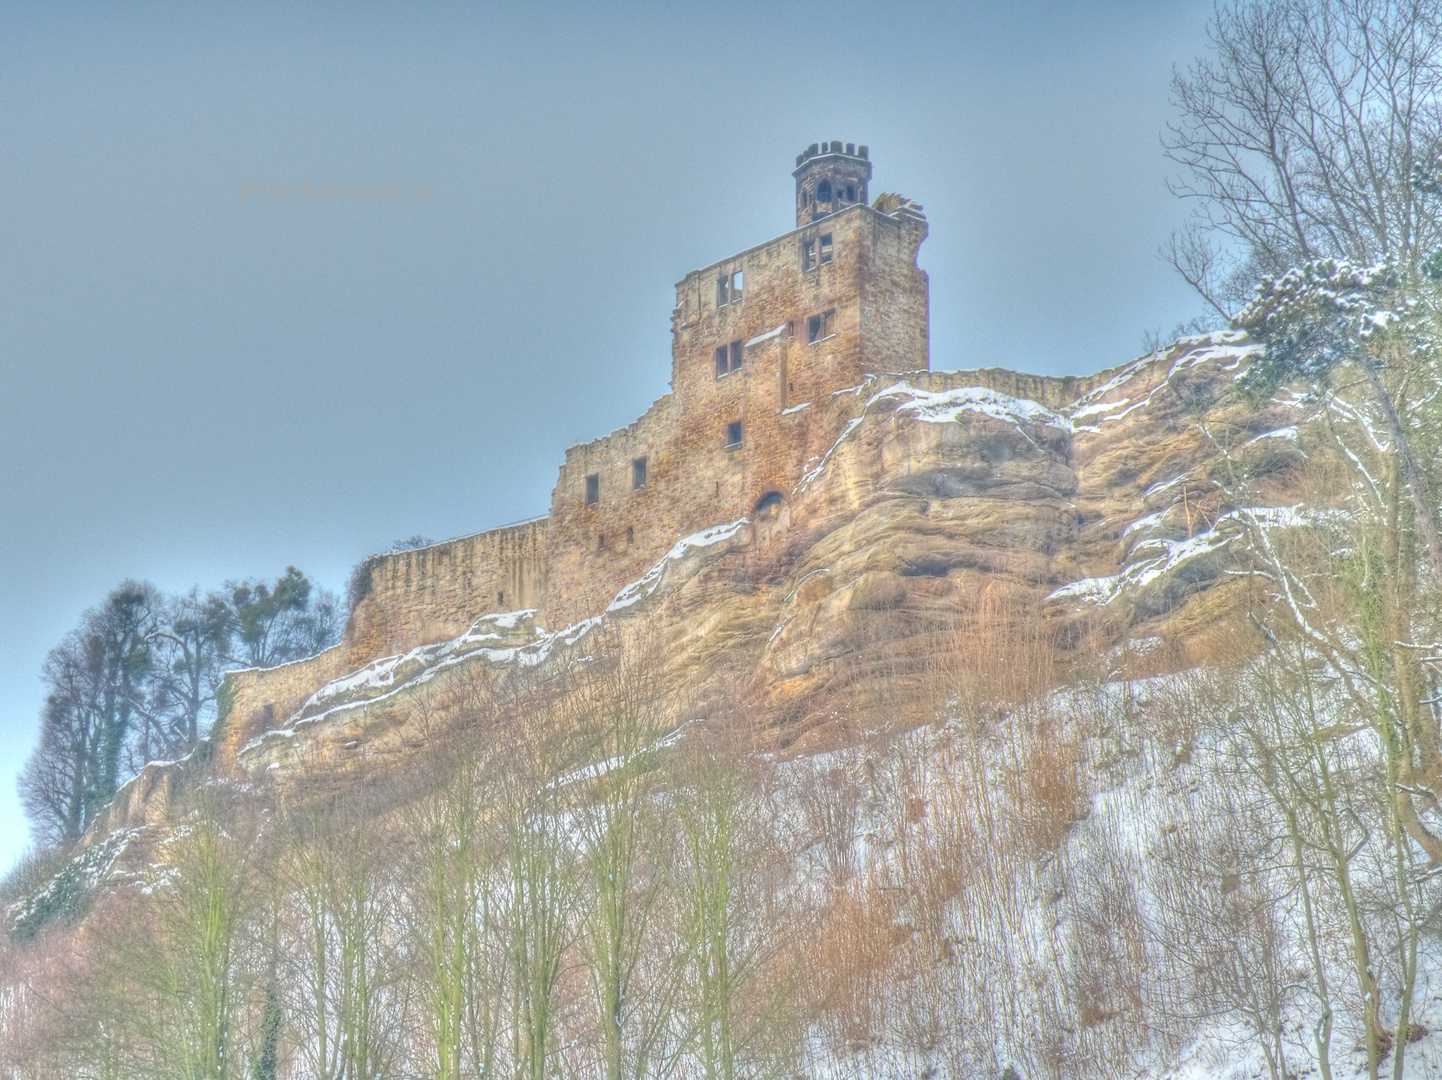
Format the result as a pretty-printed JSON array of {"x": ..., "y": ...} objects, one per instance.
[
  {"x": 764, "y": 345},
  {"x": 829, "y": 177}
]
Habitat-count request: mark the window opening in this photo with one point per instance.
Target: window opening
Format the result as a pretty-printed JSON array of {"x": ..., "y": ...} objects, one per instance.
[
  {"x": 850, "y": 192},
  {"x": 500, "y": 599},
  {"x": 733, "y": 434},
  {"x": 817, "y": 251},
  {"x": 600, "y": 541},
  {"x": 728, "y": 358},
  {"x": 630, "y": 535},
  {"x": 823, "y": 192},
  {"x": 638, "y": 474},
  {"x": 820, "y": 327},
  {"x": 593, "y": 489},
  {"x": 729, "y": 288}
]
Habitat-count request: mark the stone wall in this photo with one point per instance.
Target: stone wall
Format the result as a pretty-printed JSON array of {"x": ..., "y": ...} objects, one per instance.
[
  {"x": 781, "y": 395},
  {"x": 1056, "y": 392},
  {"x": 260, "y": 699},
  {"x": 434, "y": 593},
  {"x": 783, "y": 392}
]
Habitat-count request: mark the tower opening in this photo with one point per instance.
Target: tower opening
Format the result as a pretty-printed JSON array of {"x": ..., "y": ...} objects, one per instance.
[{"x": 827, "y": 174}]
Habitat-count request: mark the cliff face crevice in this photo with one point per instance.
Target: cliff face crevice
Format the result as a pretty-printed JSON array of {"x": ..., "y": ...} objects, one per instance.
[{"x": 1094, "y": 511}]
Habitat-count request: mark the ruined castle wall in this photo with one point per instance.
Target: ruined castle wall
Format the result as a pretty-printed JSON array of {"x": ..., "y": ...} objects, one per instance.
[
  {"x": 261, "y": 699},
  {"x": 1054, "y": 391},
  {"x": 435, "y": 593},
  {"x": 895, "y": 295},
  {"x": 781, "y": 395},
  {"x": 415, "y": 597},
  {"x": 594, "y": 549}
]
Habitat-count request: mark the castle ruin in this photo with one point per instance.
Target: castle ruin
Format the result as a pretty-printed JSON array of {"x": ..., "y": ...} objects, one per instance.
[{"x": 759, "y": 342}]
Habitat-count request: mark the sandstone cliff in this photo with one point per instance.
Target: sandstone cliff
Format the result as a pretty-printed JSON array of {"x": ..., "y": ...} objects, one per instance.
[{"x": 1085, "y": 512}]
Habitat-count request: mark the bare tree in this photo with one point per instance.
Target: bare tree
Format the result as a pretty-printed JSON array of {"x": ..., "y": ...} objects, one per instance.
[
  {"x": 334, "y": 867},
  {"x": 618, "y": 712},
  {"x": 192, "y": 645},
  {"x": 1298, "y": 139}
]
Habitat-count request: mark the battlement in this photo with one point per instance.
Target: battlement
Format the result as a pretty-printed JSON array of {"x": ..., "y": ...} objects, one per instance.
[{"x": 829, "y": 178}]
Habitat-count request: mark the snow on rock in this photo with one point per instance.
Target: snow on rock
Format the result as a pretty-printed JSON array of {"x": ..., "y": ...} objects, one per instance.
[
  {"x": 1280, "y": 433},
  {"x": 1158, "y": 556},
  {"x": 505, "y": 638},
  {"x": 948, "y": 406},
  {"x": 1098, "y": 590},
  {"x": 644, "y": 587},
  {"x": 1228, "y": 350},
  {"x": 69, "y": 891}
]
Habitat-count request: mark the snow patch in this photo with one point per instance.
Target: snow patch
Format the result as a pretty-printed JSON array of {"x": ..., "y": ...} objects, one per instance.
[
  {"x": 947, "y": 406},
  {"x": 759, "y": 338},
  {"x": 638, "y": 590}
]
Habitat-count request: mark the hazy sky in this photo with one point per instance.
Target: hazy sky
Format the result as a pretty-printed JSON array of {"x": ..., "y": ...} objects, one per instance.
[{"x": 200, "y": 386}]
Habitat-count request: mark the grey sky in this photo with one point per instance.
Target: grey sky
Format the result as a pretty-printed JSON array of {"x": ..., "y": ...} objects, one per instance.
[{"x": 199, "y": 387}]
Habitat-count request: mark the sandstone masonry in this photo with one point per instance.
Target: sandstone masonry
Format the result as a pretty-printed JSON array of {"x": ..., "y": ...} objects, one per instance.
[{"x": 762, "y": 342}]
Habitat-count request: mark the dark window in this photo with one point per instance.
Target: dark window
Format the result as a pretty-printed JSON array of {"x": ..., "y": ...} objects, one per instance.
[
  {"x": 638, "y": 474},
  {"x": 733, "y": 434},
  {"x": 723, "y": 292},
  {"x": 820, "y": 327},
  {"x": 600, "y": 541},
  {"x": 630, "y": 535},
  {"x": 500, "y": 598},
  {"x": 728, "y": 358},
  {"x": 817, "y": 251},
  {"x": 823, "y": 191},
  {"x": 593, "y": 489},
  {"x": 850, "y": 193}
]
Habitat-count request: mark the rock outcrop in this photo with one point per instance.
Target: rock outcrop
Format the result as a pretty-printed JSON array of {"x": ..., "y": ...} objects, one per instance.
[{"x": 1093, "y": 510}]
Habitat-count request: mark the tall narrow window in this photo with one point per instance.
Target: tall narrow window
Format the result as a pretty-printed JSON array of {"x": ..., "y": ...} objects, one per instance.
[
  {"x": 823, "y": 192},
  {"x": 808, "y": 255},
  {"x": 820, "y": 327},
  {"x": 593, "y": 489},
  {"x": 850, "y": 192},
  {"x": 825, "y": 246},
  {"x": 728, "y": 358},
  {"x": 728, "y": 288},
  {"x": 638, "y": 474},
  {"x": 733, "y": 435}
]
